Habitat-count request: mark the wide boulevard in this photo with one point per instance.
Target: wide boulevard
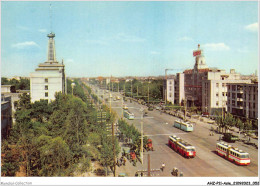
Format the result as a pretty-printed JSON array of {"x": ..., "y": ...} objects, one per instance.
[{"x": 159, "y": 126}]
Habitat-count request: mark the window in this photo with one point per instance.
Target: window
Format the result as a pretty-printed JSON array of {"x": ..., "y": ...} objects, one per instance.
[
  {"x": 223, "y": 93},
  {"x": 46, "y": 80},
  {"x": 46, "y": 87},
  {"x": 217, "y": 103},
  {"x": 46, "y": 94},
  {"x": 217, "y": 94},
  {"x": 217, "y": 84}
]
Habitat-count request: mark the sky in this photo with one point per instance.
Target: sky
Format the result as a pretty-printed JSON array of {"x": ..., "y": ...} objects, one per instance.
[{"x": 129, "y": 38}]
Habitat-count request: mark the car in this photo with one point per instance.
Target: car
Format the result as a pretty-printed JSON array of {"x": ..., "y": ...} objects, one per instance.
[{"x": 122, "y": 174}]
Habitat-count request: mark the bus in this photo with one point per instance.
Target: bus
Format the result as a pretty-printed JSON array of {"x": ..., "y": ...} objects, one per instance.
[
  {"x": 182, "y": 147},
  {"x": 128, "y": 115},
  {"x": 186, "y": 126},
  {"x": 233, "y": 154}
]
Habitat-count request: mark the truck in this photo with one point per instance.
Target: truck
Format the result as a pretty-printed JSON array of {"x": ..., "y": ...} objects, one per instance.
[{"x": 229, "y": 137}]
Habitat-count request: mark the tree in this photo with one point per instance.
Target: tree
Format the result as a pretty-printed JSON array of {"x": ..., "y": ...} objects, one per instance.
[
  {"x": 240, "y": 124},
  {"x": 10, "y": 160},
  {"x": 41, "y": 110},
  {"x": 55, "y": 156},
  {"x": 107, "y": 154},
  {"x": 4, "y": 81},
  {"x": 228, "y": 121}
]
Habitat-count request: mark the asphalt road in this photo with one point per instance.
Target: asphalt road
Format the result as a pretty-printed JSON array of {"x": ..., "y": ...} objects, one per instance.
[{"x": 159, "y": 126}]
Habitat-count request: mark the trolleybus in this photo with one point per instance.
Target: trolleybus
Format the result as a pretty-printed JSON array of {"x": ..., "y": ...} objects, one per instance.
[
  {"x": 233, "y": 154},
  {"x": 186, "y": 126},
  {"x": 182, "y": 147},
  {"x": 128, "y": 115}
]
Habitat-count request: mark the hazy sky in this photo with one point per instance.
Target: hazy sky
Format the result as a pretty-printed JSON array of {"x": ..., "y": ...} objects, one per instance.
[{"x": 129, "y": 38}]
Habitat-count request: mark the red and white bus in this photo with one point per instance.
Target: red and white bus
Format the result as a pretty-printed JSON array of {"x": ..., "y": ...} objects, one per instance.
[
  {"x": 232, "y": 154},
  {"x": 184, "y": 148}
]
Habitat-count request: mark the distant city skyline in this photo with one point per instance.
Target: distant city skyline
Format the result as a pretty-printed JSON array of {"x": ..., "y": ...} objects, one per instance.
[{"x": 129, "y": 38}]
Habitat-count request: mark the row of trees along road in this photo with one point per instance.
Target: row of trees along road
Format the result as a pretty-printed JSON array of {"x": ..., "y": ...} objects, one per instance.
[
  {"x": 228, "y": 121},
  {"x": 136, "y": 88},
  {"x": 131, "y": 135},
  {"x": 59, "y": 138}
]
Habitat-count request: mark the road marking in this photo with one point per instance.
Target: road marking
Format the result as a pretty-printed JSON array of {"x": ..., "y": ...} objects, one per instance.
[{"x": 164, "y": 134}]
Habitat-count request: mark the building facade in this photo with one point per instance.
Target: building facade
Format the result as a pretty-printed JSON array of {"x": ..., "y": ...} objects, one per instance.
[
  {"x": 49, "y": 77},
  {"x": 170, "y": 89},
  {"x": 214, "y": 89},
  {"x": 6, "y": 116},
  {"x": 179, "y": 94},
  {"x": 204, "y": 87},
  {"x": 242, "y": 99}
]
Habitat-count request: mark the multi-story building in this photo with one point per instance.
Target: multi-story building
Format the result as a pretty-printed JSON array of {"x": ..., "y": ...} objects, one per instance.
[
  {"x": 193, "y": 79},
  {"x": 204, "y": 87},
  {"x": 214, "y": 89},
  {"x": 6, "y": 115},
  {"x": 179, "y": 94},
  {"x": 170, "y": 89},
  {"x": 49, "y": 77},
  {"x": 242, "y": 99}
]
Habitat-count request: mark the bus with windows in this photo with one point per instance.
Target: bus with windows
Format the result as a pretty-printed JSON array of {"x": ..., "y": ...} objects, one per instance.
[
  {"x": 128, "y": 115},
  {"x": 232, "y": 154},
  {"x": 186, "y": 126},
  {"x": 182, "y": 147}
]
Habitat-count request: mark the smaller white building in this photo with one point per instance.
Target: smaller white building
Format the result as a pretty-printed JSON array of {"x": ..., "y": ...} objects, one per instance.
[{"x": 170, "y": 90}]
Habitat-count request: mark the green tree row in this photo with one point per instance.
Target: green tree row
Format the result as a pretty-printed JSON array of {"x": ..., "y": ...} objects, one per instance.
[
  {"x": 140, "y": 89},
  {"x": 57, "y": 138},
  {"x": 22, "y": 84}
]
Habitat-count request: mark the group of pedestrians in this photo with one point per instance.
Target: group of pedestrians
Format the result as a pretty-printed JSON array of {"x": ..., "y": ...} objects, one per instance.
[{"x": 121, "y": 161}]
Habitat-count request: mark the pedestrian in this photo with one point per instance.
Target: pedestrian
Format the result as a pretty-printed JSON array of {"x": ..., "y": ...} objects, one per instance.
[
  {"x": 142, "y": 174},
  {"x": 136, "y": 174},
  {"x": 124, "y": 161},
  {"x": 163, "y": 166}
]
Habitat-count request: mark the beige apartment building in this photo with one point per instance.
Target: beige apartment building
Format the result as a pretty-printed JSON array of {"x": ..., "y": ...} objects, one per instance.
[
  {"x": 214, "y": 89},
  {"x": 242, "y": 99}
]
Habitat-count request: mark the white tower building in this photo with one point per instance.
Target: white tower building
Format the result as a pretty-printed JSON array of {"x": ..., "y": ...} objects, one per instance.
[{"x": 49, "y": 77}]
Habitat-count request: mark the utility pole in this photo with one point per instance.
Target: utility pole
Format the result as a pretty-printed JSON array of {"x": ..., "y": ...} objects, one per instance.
[
  {"x": 148, "y": 91},
  {"x": 131, "y": 89},
  {"x": 113, "y": 140},
  {"x": 142, "y": 139},
  {"x": 137, "y": 90},
  {"x": 185, "y": 104},
  {"x": 149, "y": 168}
]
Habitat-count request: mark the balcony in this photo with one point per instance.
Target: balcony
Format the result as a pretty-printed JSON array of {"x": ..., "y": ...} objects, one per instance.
[
  {"x": 239, "y": 107},
  {"x": 240, "y": 91}
]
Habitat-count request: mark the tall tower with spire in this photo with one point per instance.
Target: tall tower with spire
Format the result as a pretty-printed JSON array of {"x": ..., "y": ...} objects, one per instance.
[{"x": 49, "y": 78}]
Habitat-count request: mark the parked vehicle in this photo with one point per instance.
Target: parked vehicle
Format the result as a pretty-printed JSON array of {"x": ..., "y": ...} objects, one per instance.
[
  {"x": 229, "y": 137},
  {"x": 232, "y": 154},
  {"x": 128, "y": 115},
  {"x": 186, "y": 126},
  {"x": 125, "y": 107},
  {"x": 182, "y": 147}
]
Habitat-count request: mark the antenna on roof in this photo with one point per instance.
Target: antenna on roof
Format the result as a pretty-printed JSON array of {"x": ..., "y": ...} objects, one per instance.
[{"x": 50, "y": 19}]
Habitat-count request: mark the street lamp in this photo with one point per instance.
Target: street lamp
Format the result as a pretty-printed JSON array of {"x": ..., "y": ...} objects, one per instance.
[{"x": 72, "y": 86}]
